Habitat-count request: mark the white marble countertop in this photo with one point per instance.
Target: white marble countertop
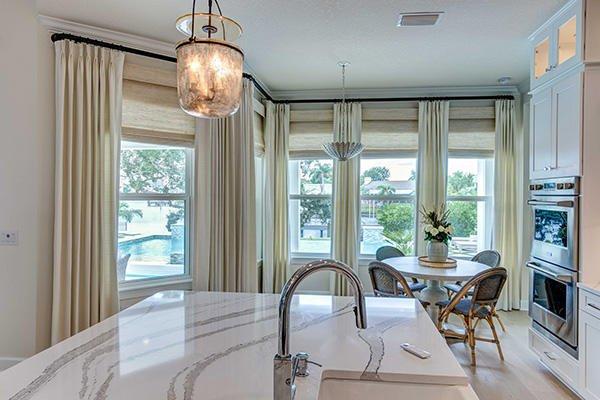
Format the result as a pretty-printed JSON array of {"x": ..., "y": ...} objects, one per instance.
[
  {"x": 592, "y": 288},
  {"x": 185, "y": 345}
]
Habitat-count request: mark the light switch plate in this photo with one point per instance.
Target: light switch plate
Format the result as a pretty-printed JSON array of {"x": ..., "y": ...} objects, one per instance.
[{"x": 9, "y": 238}]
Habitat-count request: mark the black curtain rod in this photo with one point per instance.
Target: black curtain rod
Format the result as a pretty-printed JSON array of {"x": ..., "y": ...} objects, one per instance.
[{"x": 80, "y": 39}]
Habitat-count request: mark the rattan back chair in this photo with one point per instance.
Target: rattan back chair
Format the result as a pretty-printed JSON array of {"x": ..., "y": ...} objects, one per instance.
[
  {"x": 390, "y": 251},
  {"x": 486, "y": 288},
  {"x": 389, "y": 282}
]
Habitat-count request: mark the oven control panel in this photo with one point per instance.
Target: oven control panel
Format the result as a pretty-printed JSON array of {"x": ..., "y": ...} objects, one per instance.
[{"x": 555, "y": 187}]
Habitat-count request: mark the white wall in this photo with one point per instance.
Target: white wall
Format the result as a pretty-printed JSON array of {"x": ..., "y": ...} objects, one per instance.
[{"x": 26, "y": 176}]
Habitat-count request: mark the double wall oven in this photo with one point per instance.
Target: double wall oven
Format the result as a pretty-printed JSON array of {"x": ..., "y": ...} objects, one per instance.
[{"x": 554, "y": 262}]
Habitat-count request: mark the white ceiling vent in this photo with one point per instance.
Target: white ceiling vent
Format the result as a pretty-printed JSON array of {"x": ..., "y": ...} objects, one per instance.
[{"x": 419, "y": 18}]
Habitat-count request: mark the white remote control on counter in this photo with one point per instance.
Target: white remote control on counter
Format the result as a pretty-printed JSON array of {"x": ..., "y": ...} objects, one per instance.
[{"x": 414, "y": 350}]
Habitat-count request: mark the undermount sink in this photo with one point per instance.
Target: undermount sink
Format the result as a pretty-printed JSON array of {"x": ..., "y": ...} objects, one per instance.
[{"x": 341, "y": 389}]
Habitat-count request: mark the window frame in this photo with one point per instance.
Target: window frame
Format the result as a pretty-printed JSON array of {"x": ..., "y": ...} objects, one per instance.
[
  {"x": 365, "y": 257},
  {"x": 487, "y": 200},
  {"x": 188, "y": 200},
  {"x": 299, "y": 256}
]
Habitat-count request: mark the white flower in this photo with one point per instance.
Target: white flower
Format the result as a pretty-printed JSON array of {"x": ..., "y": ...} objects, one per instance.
[
  {"x": 434, "y": 231},
  {"x": 427, "y": 228},
  {"x": 450, "y": 230},
  {"x": 441, "y": 228}
]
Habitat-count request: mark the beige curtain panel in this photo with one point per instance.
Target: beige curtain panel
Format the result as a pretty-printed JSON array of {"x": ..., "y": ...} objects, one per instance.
[
  {"x": 505, "y": 202},
  {"x": 232, "y": 207},
  {"x": 432, "y": 169},
  {"x": 88, "y": 126},
  {"x": 347, "y": 122},
  {"x": 275, "y": 225}
]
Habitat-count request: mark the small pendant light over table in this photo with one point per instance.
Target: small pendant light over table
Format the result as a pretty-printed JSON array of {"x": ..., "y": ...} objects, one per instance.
[
  {"x": 209, "y": 64},
  {"x": 343, "y": 150}
]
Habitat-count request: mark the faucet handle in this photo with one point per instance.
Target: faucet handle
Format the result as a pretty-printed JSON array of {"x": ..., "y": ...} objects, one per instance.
[{"x": 303, "y": 361}]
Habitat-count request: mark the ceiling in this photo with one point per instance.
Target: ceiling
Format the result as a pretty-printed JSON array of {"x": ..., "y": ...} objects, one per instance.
[{"x": 295, "y": 45}]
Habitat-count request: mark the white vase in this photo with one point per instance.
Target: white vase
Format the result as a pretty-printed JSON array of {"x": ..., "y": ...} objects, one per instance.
[{"x": 437, "y": 251}]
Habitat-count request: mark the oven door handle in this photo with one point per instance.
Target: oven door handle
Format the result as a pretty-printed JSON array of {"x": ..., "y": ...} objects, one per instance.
[
  {"x": 563, "y": 203},
  {"x": 558, "y": 277}
]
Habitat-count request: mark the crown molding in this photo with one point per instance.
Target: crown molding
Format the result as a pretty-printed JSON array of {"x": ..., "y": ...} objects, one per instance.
[
  {"x": 58, "y": 25},
  {"x": 398, "y": 92}
]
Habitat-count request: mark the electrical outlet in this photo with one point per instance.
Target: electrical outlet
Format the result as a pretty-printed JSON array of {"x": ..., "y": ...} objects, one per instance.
[{"x": 9, "y": 238}]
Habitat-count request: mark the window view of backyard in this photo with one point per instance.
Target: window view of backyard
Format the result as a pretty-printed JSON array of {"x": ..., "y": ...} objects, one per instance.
[
  {"x": 388, "y": 207},
  {"x": 152, "y": 211},
  {"x": 469, "y": 191}
]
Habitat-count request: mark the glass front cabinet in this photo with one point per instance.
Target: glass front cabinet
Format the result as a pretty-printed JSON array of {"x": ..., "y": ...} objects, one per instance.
[{"x": 557, "y": 45}]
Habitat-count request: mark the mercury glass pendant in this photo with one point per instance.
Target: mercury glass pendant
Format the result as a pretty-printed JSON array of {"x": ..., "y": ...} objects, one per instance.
[
  {"x": 209, "y": 64},
  {"x": 345, "y": 150}
]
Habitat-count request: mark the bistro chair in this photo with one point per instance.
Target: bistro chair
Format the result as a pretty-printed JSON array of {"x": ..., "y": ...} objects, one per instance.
[
  {"x": 388, "y": 282},
  {"x": 490, "y": 258},
  {"x": 388, "y": 252},
  {"x": 486, "y": 287}
]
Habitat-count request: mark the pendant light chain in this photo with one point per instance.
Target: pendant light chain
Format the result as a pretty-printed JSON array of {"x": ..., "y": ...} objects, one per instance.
[{"x": 343, "y": 83}]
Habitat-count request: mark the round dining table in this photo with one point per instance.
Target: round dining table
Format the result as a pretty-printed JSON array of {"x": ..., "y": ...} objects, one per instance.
[{"x": 434, "y": 292}]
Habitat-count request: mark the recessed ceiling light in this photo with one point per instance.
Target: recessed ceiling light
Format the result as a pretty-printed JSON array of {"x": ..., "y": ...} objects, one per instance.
[
  {"x": 505, "y": 80},
  {"x": 419, "y": 18}
]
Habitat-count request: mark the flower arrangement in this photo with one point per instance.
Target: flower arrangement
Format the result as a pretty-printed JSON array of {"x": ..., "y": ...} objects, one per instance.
[{"x": 436, "y": 225}]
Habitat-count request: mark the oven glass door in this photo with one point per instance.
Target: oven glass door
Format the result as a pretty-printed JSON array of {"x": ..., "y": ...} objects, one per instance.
[
  {"x": 553, "y": 300},
  {"x": 555, "y": 230}
]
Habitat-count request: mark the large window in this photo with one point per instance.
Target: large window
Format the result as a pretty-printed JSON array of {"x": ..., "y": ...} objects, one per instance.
[
  {"x": 469, "y": 193},
  {"x": 154, "y": 211},
  {"x": 387, "y": 212},
  {"x": 310, "y": 187}
]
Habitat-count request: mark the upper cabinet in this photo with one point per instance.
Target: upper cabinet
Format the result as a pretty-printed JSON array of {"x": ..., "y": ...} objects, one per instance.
[{"x": 557, "y": 46}]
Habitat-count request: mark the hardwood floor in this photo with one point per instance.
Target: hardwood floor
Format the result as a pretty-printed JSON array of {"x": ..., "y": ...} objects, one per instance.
[{"x": 520, "y": 376}]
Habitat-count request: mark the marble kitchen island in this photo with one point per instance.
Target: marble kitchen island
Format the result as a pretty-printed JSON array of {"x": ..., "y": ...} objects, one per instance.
[{"x": 196, "y": 345}]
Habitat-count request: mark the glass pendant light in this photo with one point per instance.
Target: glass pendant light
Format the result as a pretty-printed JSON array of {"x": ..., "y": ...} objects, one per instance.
[
  {"x": 344, "y": 150},
  {"x": 209, "y": 64}
]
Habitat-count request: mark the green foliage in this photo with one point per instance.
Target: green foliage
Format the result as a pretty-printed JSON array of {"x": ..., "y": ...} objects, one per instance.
[
  {"x": 153, "y": 170},
  {"x": 173, "y": 217},
  {"x": 377, "y": 173},
  {"x": 318, "y": 209},
  {"x": 126, "y": 213},
  {"x": 463, "y": 217},
  {"x": 397, "y": 220},
  {"x": 386, "y": 190},
  {"x": 461, "y": 184}
]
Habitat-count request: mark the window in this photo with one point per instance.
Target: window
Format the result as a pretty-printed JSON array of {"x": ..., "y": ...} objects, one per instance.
[
  {"x": 469, "y": 200},
  {"x": 154, "y": 211},
  {"x": 310, "y": 187},
  {"x": 387, "y": 211}
]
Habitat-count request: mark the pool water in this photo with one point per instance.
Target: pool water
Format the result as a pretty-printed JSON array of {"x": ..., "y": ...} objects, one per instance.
[{"x": 156, "y": 249}]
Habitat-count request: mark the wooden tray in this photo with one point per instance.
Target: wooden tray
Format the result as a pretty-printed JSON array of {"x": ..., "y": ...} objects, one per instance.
[{"x": 449, "y": 263}]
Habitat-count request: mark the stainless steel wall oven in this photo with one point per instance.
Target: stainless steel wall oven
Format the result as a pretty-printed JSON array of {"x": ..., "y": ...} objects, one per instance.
[{"x": 554, "y": 260}]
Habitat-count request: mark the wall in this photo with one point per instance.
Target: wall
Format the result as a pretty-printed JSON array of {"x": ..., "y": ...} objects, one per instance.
[{"x": 26, "y": 176}]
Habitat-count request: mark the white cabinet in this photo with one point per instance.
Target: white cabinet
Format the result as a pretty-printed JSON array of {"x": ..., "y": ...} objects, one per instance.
[
  {"x": 589, "y": 346},
  {"x": 556, "y": 116},
  {"x": 558, "y": 45},
  {"x": 561, "y": 364}
]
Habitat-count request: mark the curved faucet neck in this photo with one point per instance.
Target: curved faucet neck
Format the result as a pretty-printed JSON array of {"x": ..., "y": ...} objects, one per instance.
[{"x": 290, "y": 287}]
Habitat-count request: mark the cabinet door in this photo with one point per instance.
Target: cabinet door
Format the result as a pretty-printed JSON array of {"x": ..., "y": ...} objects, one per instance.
[
  {"x": 589, "y": 337},
  {"x": 541, "y": 138},
  {"x": 568, "y": 35},
  {"x": 567, "y": 116},
  {"x": 541, "y": 60}
]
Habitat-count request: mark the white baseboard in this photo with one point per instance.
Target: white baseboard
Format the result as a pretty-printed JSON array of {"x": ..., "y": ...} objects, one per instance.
[{"x": 7, "y": 362}]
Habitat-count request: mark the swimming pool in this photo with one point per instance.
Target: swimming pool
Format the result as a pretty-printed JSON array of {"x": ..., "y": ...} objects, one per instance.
[{"x": 154, "y": 248}]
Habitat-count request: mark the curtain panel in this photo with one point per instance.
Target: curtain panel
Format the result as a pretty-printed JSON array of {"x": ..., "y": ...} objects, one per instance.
[
  {"x": 88, "y": 84},
  {"x": 505, "y": 202},
  {"x": 276, "y": 255},
  {"x": 226, "y": 208},
  {"x": 432, "y": 169},
  {"x": 347, "y": 122}
]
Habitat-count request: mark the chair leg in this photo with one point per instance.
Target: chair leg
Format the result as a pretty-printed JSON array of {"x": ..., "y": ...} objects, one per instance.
[
  {"x": 500, "y": 321},
  {"x": 471, "y": 340},
  {"x": 490, "y": 321}
]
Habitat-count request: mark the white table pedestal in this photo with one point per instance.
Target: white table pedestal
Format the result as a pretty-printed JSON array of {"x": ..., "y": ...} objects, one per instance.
[{"x": 433, "y": 293}]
